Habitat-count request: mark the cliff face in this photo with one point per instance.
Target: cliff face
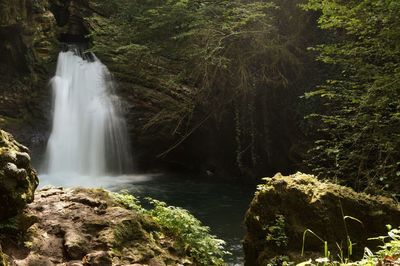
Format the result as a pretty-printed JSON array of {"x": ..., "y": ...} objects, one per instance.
[
  {"x": 30, "y": 32},
  {"x": 27, "y": 30}
]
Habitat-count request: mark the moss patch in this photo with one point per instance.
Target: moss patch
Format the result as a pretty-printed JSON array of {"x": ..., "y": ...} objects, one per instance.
[{"x": 18, "y": 180}]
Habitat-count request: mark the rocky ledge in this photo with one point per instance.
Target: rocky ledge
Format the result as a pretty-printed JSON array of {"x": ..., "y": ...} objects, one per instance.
[{"x": 75, "y": 227}]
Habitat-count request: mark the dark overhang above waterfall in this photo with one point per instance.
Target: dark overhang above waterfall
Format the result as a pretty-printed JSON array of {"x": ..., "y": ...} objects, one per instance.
[
  {"x": 73, "y": 38},
  {"x": 69, "y": 16}
]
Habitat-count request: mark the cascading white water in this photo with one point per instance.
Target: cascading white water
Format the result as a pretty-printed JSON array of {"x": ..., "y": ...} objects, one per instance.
[{"x": 89, "y": 136}]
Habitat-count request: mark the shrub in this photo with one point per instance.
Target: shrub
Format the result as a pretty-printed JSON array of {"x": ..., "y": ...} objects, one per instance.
[
  {"x": 127, "y": 200},
  {"x": 192, "y": 236}
]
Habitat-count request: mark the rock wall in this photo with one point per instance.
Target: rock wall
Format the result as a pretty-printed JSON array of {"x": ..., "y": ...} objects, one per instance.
[
  {"x": 286, "y": 206},
  {"x": 27, "y": 30}
]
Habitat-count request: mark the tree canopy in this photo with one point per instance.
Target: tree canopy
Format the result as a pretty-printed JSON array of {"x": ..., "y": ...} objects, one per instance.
[{"x": 356, "y": 119}]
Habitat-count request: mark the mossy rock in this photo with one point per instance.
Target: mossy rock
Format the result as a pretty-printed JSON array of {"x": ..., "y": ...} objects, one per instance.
[
  {"x": 286, "y": 206},
  {"x": 18, "y": 180},
  {"x": 3, "y": 258}
]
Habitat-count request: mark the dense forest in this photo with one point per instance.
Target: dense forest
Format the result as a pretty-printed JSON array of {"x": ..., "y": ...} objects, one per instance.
[{"x": 215, "y": 95}]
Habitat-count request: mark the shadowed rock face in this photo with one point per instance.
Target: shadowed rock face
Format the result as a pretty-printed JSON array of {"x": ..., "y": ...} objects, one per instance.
[
  {"x": 18, "y": 180},
  {"x": 286, "y": 206},
  {"x": 69, "y": 15}
]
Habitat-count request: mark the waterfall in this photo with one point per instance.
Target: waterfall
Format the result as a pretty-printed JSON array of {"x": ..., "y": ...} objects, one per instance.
[{"x": 89, "y": 134}]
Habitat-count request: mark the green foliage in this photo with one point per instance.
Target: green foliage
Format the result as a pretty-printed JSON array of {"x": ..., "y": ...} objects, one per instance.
[
  {"x": 9, "y": 226},
  {"x": 392, "y": 247},
  {"x": 388, "y": 254},
  {"x": 327, "y": 252},
  {"x": 197, "y": 43},
  {"x": 280, "y": 261},
  {"x": 192, "y": 235},
  {"x": 127, "y": 200},
  {"x": 276, "y": 232},
  {"x": 356, "y": 120},
  {"x": 325, "y": 243}
]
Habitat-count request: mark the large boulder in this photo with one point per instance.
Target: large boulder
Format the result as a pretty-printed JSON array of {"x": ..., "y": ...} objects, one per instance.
[
  {"x": 287, "y": 206},
  {"x": 18, "y": 180}
]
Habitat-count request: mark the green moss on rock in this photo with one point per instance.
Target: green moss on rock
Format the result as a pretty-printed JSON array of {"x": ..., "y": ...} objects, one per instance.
[
  {"x": 18, "y": 180},
  {"x": 3, "y": 258},
  {"x": 303, "y": 202}
]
